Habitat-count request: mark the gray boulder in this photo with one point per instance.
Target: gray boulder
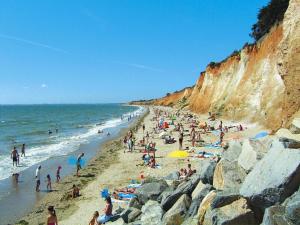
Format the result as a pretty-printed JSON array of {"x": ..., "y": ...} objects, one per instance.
[
  {"x": 152, "y": 213},
  {"x": 173, "y": 176},
  {"x": 278, "y": 174},
  {"x": 274, "y": 215},
  {"x": 206, "y": 171},
  {"x": 236, "y": 213},
  {"x": 289, "y": 143},
  {"x": 134, "y": 203},
  {"x": 224, "y": 198},
  {"x": 151, "y": 191},
  {"x": 292, "y": 208},
  {"x": 184, "y": 188},
  {"x": 197, "y": 196},
  {"x": 175, "y": 216},
  {"x": 228, "y": 175},
  {"x": 130, "y": 214},
  {"x": 248, "y": 157},
  {"x": 234, "y": 150},
  {"x": 120, "y": 221},
  {"x": 295, "y": 126}
]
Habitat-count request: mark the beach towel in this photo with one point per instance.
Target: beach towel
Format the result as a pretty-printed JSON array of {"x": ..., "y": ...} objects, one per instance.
[
  {"x": 126, "y": 195},
  {"x": 134, "y": 185},
  {"x": 261, "y": 135}
]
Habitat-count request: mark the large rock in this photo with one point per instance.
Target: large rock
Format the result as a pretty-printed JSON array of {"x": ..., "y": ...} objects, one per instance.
[
  {"x": 120, "y": 221},
  {"x": 228, "y": 175},
  {"x": 289, "y": 143},
  {"x": 205, "y": 205},
  {"x": 184, "y": 188},
  {"x": 295, "y": 126},
  {"x": 248, "y": 157},
  {"x": 173, "y": 176},
  {"x": 275, "y": 216},
  {"x": 135, "y": 203},
  {"x": 285, "y": 214},
  {"x": 292, "y": 208},
  {"x": 151, "y": 191},
  {"x": 237, "y": 213},
  {"x": 273, "y": 178},
  {"x": 175, "y": 216},
  {"x": 231, "y": 154},
  {"x": 224, "y": 198},
  {"x": 197, "y": 196},
  {"x": 130, "y": 214},
  {"x": 152, "y": 213},
  {"x": 206, "y": 171}
]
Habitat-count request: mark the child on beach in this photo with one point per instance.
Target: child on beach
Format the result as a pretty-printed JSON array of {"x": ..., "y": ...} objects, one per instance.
[
  {"x": 94, "y": 219},
  {"x": 51, "y": 219},
  {"x": 49, "y": 187},
  {"x": 58, "y": 174}
]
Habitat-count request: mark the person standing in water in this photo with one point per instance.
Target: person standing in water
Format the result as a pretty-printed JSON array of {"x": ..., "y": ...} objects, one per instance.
[
  {"x": 14, "y": 156},
  {"x": 38, "y": 178},
  {"x": 23, "y": 150},
  {"x": 58, "y": 174},
  {"x": 51, "y": 219},
  {"x": 78, "y": 163},
  {"x": 49, "y": 186}
]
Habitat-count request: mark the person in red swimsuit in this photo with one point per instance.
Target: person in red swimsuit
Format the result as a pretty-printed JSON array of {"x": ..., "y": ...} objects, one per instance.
[{"x": 51, "y": 219}]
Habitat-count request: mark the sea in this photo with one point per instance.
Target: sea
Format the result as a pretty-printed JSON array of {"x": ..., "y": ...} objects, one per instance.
[{"x": 53, "y": 133}]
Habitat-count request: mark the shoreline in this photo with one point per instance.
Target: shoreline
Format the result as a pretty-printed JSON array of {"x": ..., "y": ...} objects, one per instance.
[{"x": 104, "y": 151}]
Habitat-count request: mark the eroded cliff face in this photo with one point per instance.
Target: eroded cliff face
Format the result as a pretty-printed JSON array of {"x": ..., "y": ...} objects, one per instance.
[{"x": 260, "y": 84}]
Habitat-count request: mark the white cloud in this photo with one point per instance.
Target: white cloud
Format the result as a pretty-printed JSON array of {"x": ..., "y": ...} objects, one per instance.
[{"x": 44, "y": 85}]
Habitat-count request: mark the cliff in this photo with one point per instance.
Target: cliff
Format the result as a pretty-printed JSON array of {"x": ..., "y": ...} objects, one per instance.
[{"x": 260, "y": 83}]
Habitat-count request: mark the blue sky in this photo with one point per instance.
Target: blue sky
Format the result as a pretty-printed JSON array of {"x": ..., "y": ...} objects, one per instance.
[{"x": 56, "y": 51}]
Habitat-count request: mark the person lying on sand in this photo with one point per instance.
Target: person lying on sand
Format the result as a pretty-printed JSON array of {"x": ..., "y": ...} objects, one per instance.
[
  {"x": 94, "y": 218},
  {"x": 126, "y": 190}
]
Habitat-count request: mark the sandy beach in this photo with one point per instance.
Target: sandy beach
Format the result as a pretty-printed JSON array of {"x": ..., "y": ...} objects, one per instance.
[{"x": 115, "y": 167}]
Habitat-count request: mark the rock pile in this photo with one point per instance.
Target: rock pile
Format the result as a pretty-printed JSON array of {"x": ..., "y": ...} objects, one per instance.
[{"x": 256, "y": 182}]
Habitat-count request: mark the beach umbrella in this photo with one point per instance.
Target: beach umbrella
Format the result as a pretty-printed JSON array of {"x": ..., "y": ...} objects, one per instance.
[{"x": 178, "y": 154}]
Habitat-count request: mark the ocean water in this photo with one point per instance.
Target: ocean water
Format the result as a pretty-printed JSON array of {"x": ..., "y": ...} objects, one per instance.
[{"x": 76, "y": 125}]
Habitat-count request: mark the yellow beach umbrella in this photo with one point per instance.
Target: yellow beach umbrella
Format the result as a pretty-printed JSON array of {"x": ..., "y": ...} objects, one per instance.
[{"x": 178, "y": 154}]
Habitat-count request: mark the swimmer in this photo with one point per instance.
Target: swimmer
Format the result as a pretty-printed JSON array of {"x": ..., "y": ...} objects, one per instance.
[
  {"x": 14, "y": 156},
  {"x": 23, "y": 150}
]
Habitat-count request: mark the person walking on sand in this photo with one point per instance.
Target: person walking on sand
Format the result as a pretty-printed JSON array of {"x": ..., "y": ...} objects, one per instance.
[
  {"x": 58, "y": 174},
  {"x": 180, "y": 140},
  {"x": 144, "y": 127},
  {"x": 23, "y": 150},
  {"x": 14, "y": 156},
  {"x": 38, "y": 178},
  {"x": 51, "y": 219},
  {"x": 49, "y": 186},
  {"x": 222, "y": 134},
  {"x": 78, "y": 163}
]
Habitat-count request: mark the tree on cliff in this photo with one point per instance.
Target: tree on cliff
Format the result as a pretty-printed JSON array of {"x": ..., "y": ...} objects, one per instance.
[{"x": 268, "y": 16}]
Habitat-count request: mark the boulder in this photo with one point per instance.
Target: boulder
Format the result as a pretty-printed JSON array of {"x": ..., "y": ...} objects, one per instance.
[
  {"x": 173, "y": 176},
  {"x": 236, "y": 213},
  {"x": 184, "y": 188},
  {"x": 274, "y": 215},
  {"x": 224, "y": 198},
  {"x": 233, "y": 151},
  {"x": 206, "y": 171},
  {"x": 152, "y": 213},
  {"x": 175, "y": 216},
  {"x": 190, "y": 221},
  {"x": 248, "y": 157},
  {"x": 134, "y": 203},
  {"x": 289, "y": 143},
  {"x": 151, "y": 191},
  {"x": 278, "y": 174},
  {"x": 228, "y": 175},
  {"x": 292, "y": 208},
  {"x": 205, "y": 205},
  {"x": 197, "y": 196},
  {"x": 120, "y": 221},
  {"x": 295, "y": 126},
  {"x": 285, "y": 214},
  {"x": 130, "y": 214}
]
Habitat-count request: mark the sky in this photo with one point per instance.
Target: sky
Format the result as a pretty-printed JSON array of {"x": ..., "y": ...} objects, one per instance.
[{"x": 101, "y": 51}]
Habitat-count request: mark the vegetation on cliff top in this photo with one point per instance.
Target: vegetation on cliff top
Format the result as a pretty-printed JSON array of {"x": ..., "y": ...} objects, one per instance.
[{"x": 269, "y": 16}]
